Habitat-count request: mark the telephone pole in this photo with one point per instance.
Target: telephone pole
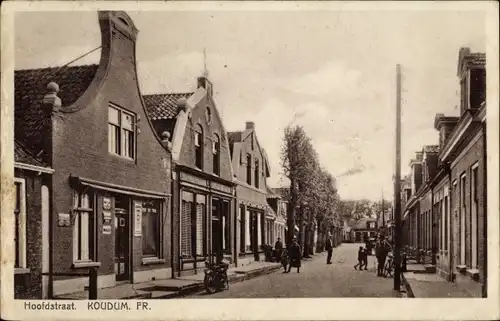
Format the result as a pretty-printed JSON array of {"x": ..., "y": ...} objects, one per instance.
[{"x": 397, "y": 185}]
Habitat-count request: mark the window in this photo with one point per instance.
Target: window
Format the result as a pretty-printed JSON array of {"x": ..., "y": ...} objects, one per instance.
[
  {"x": 151, "y": 232},
  {"x": 208, "y": 115},
  {"x": 462, "y": 219},
  {"x": 121, "y": 132},
  {"x": 83, "y": 227},
  {"x": 216, "y": 155},
  {"x": 478, "y": 87},
  {"x": 201, "y": 225},
  {"x": 260, "y": 228},
  {"x": 474, "y": 217},
  {"x": 186, "y": 221},
  {"x": 20, "y": 224},
  {"x": 198, "y": 145},
  {"x": 249, "y": 218},
  {"x": 243, "y": 231},
  {"x": 226, "y": 231},
  {"x": 252, "y": 141},
  {"x": 256, "y": 173},
  {"x": 249, "y": 169}
]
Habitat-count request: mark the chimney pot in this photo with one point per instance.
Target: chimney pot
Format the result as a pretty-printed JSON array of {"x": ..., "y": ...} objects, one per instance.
[{"x": 249, "y": 125}]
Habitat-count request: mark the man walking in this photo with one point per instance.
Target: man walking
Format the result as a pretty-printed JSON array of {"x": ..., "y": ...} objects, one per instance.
[
  {"x": 278, "y": 250},
  {"x": 329, "y": 248},
  {"x": 295, "y": 254}
]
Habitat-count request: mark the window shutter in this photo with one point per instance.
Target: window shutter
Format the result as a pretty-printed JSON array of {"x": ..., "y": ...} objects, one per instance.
[
  {"x": 259, "y": 230},
  {"x": 186, "y": 248},
  {"x": 247, "y": 228},
  {"x": 200, "y": 231}
]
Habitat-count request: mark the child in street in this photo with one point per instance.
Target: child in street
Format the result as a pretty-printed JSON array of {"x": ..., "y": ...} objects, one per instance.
[{"x": 361, "y": 258}]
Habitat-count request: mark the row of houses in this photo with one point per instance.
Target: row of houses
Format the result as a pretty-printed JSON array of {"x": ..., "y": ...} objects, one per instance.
[
  {"x": 140, "y": 187},
  {"x": 444, "y": 196}
]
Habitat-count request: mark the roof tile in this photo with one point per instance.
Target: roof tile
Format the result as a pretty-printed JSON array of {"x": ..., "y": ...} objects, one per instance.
[
  {"x": 163, "y": 106},
  {"x": 30, "y": 86},
  {"x": 23, "y": 155}
]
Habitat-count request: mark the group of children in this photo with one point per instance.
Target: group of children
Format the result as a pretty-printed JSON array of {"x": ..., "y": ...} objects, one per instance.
[{"x": 362, "y": 258}]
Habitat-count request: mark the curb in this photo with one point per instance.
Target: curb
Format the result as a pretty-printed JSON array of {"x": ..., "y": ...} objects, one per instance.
[
  {"x": 407, "y": 286},
  {"x": 234, "y": 278}
]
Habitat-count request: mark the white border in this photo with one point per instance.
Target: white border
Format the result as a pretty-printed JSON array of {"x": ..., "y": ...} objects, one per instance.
[{"x": 261, "y": 309}]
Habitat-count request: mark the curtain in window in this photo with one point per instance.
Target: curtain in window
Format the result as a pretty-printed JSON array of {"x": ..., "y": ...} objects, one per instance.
[
  {"x": 150, "y": 229},
  {"x": 247, "y": 230},
  {"x": 259, "y": 230},
  {"x": 186, "y": 249},
  {"x": 200, "y": 229}
]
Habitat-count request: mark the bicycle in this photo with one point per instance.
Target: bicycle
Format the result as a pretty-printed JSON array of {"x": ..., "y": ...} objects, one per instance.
[{"x": 389, "y": 266}]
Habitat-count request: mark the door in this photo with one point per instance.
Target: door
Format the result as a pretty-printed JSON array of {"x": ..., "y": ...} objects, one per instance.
[
  {"x": 216, "y": 226},
  {"x": 122, "y": 245}
]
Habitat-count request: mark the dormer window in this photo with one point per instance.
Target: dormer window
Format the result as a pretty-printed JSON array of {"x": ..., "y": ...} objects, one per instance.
[
  {"x": 216, "y": 155},
  {"x": 121, "y": 132},
  {"x": 198, "y": 146}
]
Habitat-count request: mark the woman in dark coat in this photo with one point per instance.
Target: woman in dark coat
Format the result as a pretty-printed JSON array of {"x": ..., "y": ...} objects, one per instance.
[{"x": 294, "y": 253}]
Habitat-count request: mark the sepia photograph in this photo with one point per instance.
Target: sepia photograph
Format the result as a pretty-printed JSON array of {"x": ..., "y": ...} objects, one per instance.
[{"x": 186, "y": 155}]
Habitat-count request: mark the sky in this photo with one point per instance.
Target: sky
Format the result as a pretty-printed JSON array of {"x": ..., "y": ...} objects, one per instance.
[{"x": 332, "y": 72}]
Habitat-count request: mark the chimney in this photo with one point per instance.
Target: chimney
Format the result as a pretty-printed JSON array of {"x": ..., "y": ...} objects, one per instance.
[
  {"x": 445, "y": 126},
  {"x": 205, "y": 83},
  {"x": 51, "y": 104},
  {"x": 249, "y": 125}
]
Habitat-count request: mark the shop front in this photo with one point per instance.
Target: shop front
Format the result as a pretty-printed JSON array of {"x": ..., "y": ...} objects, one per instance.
[{"x": 205, "y": 222}]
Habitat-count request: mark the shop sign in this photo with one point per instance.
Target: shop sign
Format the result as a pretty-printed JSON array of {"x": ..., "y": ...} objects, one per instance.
[
  {"x": 106, "y": 229},
  {"x": 106, "y": 203},
  {"x": 137, "y": 219}
]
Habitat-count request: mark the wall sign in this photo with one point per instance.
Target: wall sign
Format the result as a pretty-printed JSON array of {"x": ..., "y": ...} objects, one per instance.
[
  {"x": 63, "y": 219},
  {"x": 106, "y": 203},
  {"x": 106, "y": 217},
  {"x": 106, "y": 229},
  {"x": 137, "y": 219}
]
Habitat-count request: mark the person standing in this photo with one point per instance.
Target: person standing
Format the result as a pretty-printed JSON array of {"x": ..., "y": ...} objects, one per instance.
[
  {"x": 295, "y": 255},
  {"x": 382, "y": 248},
  {"x": 329, "y": 249},
  {"x": 278, "y": 249}
]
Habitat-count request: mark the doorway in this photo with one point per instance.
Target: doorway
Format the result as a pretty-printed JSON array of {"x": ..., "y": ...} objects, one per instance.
[
  {"x": 216, "y": 226},
  {"x": 122, "y": 244}
]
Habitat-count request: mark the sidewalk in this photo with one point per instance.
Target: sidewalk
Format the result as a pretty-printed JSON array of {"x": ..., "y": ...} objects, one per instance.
[
  {"x": 420, "y": 284},
  {"x": 172, "y": 288}
]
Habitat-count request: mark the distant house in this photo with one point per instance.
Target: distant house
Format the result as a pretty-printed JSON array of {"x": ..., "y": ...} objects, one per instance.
[
  {"x": 279, "y": 206},
  {"x": 364, "y": 228}
]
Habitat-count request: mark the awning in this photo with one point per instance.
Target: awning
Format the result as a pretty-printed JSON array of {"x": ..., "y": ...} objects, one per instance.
[{"x": 117, "y": 188}]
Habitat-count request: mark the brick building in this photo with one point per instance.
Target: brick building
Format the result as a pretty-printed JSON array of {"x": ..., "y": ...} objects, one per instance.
[
  {"x": 251, "y": 170},
  {"x": 279, "y": 207},
  {"x": 111, "y": 182},
  {"x": 32, "y": 181},
  {"x": 363, "y": 229},
  {"x": 454, "y": 181},
  {"x": 203, "y": 188}
]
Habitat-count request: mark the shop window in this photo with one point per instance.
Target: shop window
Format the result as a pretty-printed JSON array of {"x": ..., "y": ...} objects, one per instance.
[
  {"x": 121, "y": 132},
  {"x": 216, "y": 155},
  {"x": 249, "y": 169},
  {"x": 226, "y": 227},
  {"x": 83, "y": 227},
  {"x": 201, "y": 223},
  {"x": 186, "y": 225},
  {"x": 256, "y": 173},
  {"x": 20, "y": 224},
  {"x": 198, "y": 146},
  {"x": 151, "y": 231}
]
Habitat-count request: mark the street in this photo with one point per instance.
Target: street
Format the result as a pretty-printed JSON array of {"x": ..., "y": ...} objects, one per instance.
[{"x": 316, "y": 279}]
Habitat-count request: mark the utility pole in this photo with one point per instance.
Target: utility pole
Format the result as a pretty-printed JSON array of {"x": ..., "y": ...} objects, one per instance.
[{"x": 397, "y": 185}]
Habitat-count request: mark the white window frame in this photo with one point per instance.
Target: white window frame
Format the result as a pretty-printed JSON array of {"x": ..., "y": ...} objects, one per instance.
[
  {"x": 80, "y": 211},
  {"x": 22, "y": 224},
  {"x": 122, "y": 139},
  {"x": 474, "y": 216}
]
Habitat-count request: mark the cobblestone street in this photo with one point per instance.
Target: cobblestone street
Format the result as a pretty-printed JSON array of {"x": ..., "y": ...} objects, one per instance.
[{"x": 316, "y": 279}]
